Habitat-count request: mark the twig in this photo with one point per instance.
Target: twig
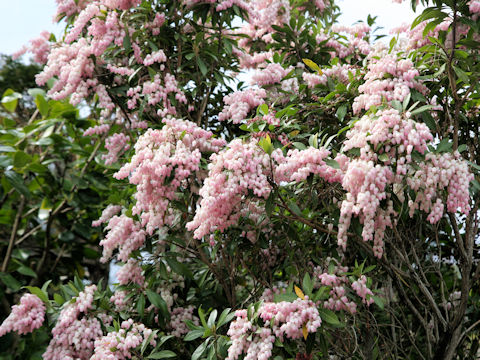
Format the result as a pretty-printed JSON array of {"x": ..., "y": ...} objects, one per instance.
[{"x": 13, "y": 235}]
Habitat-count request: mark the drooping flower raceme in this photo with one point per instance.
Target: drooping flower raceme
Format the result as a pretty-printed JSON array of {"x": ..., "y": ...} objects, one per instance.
[
  {"x": 76, "y": 329},
  {"x": 163, "y": 160},
  {"x": 281, "y": 320},
  {"x": 387, "y": 142},
  {"x": 388, "y": 78},
  {"x": 236, "y": 170},
  {"x": 24, "y": 317},
  {"x": 119, "y": 345}
]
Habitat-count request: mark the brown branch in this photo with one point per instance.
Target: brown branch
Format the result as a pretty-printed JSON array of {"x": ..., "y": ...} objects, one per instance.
[{"x": 13, "y": 235}]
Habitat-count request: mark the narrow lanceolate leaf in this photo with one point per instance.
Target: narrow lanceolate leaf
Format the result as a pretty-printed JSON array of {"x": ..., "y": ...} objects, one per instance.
[
  {"x": 312, "y": 65},
  {"x": 304, "y": 331},
  {"x": 202, "y": 66},
  {"x": 164, "y": 354},
  {"x": 17, "y": 182},
  {"x": 329, "y": 317},
  {"x": 39, "y": 292},
  {"x": 299, "y": 292}
]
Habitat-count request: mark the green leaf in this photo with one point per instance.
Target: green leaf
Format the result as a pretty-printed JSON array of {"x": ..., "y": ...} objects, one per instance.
[
  {"x": 141, "y": 305},
  {"x": 179, "y": 267},
  {"x": 428, "y": 13},
  {"x": 266, "y": 144},
  {"x": 341, "y": 112},
  {"x": 462, "y": 148},
  {"x": 202, "y": 66},
  {"x": 212, "y": 318},
  {"x": 329, "y": 317},
  {"x": 313, "y": 141},
  {"x": 263, "y": 109},
  {"x": 379, "y": 301},
  {"x": 200, "y": 350},
  {"x": 42, "y": 105},
  {"x": 383, "y": 157},
  {"x": 285, "y": 297},
  {"x": 462, "y": 75},
  {"x": 406, "y": 101},
  {"x": 25, "y": 270},
  {"x": 201, "y": 315},
  {"x": 58, "y": 299},
  {"x": 444, "y": 146},
  {"x": 39, "y": 292},
  {"x": 194, "y": 334},
  {"x": 17, "y": 182},
  {"x": 421, "y": 109},
  {"x": 294, "y": 208},
  {"x": 10, "y": 100},
  {"x": 127, "y": 45},
  {"x": 332, "y": 163},
  {"x": 307, "y": 284},
  {"x": 225, "y": 317},
  {"x": 397, "y": 105},
  {"x": 270, "y": 203},
  {"x": 299, "y": 145},
  {"x": 164, "y": 354},
  {"x": 10, "y": 281},
  {"x": 147, "y": 341},
  {"x": 6, "y": 148},
  {"x": 45, "y": 286},
  {"x": 157, "y": 301},
  {"x": 36, "y": 91},
  {"x": 21, "y": 159}
]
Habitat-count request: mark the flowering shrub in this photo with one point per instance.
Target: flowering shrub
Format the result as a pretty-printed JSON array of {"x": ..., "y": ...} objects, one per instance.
[{"x": 328, "y": 209}]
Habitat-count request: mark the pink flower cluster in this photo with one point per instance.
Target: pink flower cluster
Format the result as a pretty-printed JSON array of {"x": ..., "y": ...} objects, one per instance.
[
  {"x": 337, "y": 280},
  {"x": 131, "y": 272},
  {"x": 97, "y": 130},
  {"x": 355, "y": 44},
  {"x": 438, "y": 173},
  {"x": 125, "y": 234},
  {"x": 107, "y": 214},
  {"x": 387, "y": 79},
  {"x": 177, "y": 320},
  {"x": 236, "y": 170},
  {"x": 365, "y": 184},
  {"x": 391, "y": 133},
  {"x": 116, "y": 145},
  {"x": 76, "y": 341},
  {"x": 155, "y": 57},
  {"x": 74, "y": 334},
  {"x": 157, "y": 93},
  {"x": 40, "y": 47},
  {"x": 83, "y": 18},
  {"x": 24, "y": 317},
  {"x": 360, "y": 287},
  {"x": 299, "y": 164},
  {"x": 69, "y": 7},
  {"x": 119, "y": 299},
  {"x": 415, "y": 38},
  {"x": 273, "y": 73},
  {"x": 282, "y": 319},
  {"x": 163, "y": 160},
  {"x": 474, "y": 6},
  {"x": 240, "y": 103},
  {"x": 337, "y": 72},
  {"x": 386, "y": 141},
  {"x": 73, "y": 67},
  {"x": 156, "y": 24},
  {"x": 119, "y": 345}
]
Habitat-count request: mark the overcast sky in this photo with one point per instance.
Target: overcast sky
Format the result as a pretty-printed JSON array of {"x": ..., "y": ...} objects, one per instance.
[{"x": 22, "y": 20}]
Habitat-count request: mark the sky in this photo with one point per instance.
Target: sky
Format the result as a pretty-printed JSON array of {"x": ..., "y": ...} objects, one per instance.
[{"x": 23, "y": 20}]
